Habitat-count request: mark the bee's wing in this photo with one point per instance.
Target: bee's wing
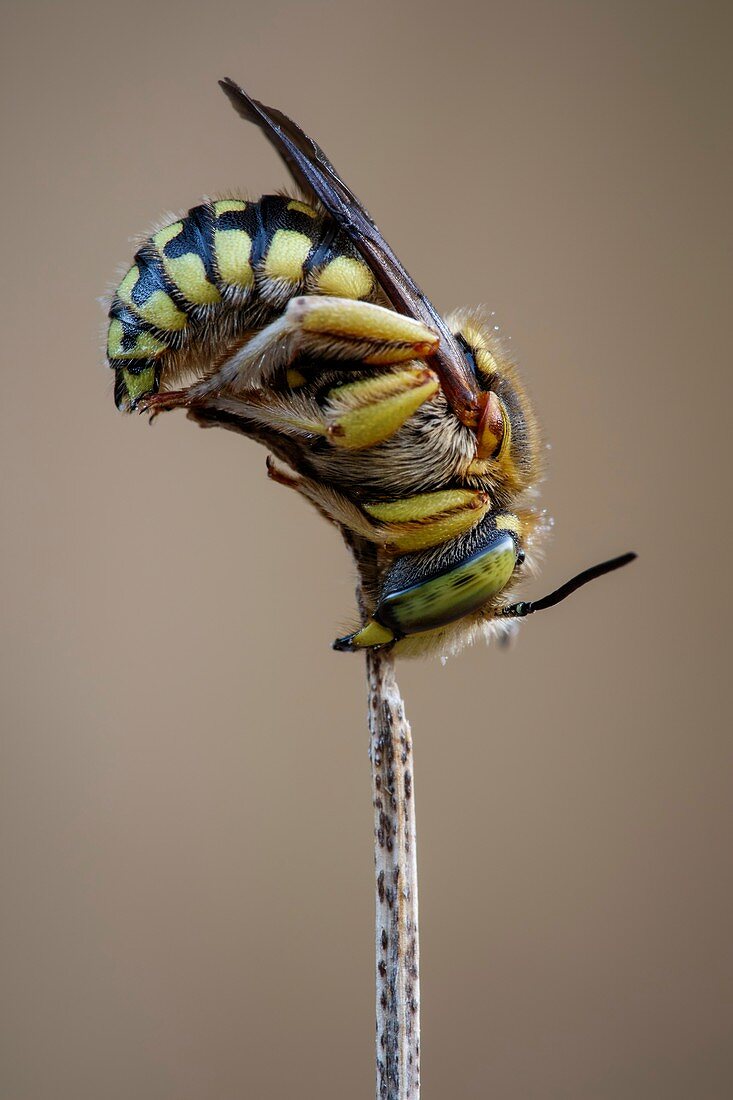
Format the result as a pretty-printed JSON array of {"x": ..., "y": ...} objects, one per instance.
[{"x": 316, "y": 177}]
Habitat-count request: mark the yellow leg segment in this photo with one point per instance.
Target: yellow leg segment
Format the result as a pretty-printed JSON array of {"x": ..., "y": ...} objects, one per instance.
[
  {"x": 353, "y": 417},
  {"x": 325, "y": 328},
  {"x": 360, "y": 330},
  {"x": 415, "y": 523},
  {"x": 419, "y": 522},
  {"x": 364, "y": 413}
]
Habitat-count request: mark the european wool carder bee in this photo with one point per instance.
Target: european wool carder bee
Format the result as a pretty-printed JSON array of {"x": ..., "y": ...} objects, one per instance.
[{"x": 290, "y": 319}]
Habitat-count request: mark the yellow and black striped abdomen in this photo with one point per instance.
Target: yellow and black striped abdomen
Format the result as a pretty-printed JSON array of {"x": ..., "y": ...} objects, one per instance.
[{"x": 228, "y": 266}]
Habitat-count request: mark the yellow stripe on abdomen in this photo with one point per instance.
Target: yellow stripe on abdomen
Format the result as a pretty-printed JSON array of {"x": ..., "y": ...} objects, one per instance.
[
  {"x": 302, "y": 208},
  {"x": 232, "y": 248},
  {"x": 146, "y": 346},
  {"x": 187, "y": 272},
  {"x": 286, "y": 255},
  {"x": 346, "y": 277},
  {"x": 227, "y": 206},
  {"x": 159, "y": 309}
]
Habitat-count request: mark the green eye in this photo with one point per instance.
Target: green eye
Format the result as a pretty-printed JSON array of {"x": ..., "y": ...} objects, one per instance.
[{"x": 451, "y": 593}]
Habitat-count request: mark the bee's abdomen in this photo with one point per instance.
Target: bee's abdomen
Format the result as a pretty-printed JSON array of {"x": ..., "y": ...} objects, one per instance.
[{"x": 226, "y": 265}]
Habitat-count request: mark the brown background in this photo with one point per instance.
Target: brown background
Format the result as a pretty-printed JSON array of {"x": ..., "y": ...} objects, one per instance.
[{"x": 186, "y": 886}]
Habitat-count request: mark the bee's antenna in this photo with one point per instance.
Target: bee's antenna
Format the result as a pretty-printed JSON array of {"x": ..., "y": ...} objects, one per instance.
[{"x": 519, "y": 610}]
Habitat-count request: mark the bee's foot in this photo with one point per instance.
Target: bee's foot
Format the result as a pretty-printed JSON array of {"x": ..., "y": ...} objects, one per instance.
[
  {"x": 280, "y": 476},
  {"x": 155, "y": 403}
]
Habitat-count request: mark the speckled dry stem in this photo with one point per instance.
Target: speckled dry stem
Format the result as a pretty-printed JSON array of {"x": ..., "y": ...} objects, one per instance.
[
  {"x": 390, "y": 751},
  {"x": 397, "y": 945}
]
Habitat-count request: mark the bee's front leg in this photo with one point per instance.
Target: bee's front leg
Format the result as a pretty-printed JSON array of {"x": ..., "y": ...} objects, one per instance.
[
  {"x": 428, "y": 519},
  {"x": 333, "y": 505},
  {"x": 281, "y": 476},
  {"x": 400, "y": 526}
]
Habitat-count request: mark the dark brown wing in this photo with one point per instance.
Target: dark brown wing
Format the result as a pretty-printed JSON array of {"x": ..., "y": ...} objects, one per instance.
[{"x": 316, "y": 177}]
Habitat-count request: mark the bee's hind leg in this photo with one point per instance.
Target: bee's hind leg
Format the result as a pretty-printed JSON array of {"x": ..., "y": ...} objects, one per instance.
[
  {"x": 155, "y": 403},
  {"x": 321, "y": 327}
]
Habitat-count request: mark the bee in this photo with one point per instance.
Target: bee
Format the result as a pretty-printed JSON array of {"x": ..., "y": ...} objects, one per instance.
[{"x": 291, "y": 319}]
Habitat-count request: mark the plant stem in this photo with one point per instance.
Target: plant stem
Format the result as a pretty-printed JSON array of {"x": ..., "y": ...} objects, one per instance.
[
  {"x": 395, "y": 857},
  {"x": 395, "y": 863}
]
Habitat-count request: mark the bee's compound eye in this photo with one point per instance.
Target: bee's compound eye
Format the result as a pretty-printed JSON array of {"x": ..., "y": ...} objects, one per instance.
[
  {"x": 414, "y": 599},
  {"x": 520, "y": 557}
]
